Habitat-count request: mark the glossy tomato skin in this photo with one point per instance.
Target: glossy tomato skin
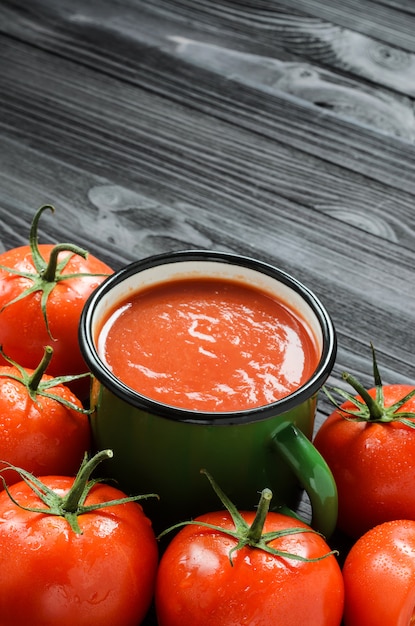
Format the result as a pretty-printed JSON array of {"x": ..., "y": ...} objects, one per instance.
[
  {"x": 41, "y": 436},
  {"x": 379, "y": 575},
  {"x": 23, "y": 333},
  {"x": 49, "y": 575},
  {"x": 197, "y": 586},
  {"x": 373, "y": 465}
]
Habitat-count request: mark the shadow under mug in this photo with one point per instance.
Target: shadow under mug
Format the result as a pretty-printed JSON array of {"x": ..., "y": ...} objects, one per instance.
[{"x": 161, "y": 449}]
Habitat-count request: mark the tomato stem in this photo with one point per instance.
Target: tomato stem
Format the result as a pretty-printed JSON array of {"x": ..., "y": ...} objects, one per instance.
[
  {"x": 376, "y": 411},
  {"x": 250, "y": 535},
  {"x": 38, "y": 260},
  {"x": 256, "y": 529},
  {"x": 371, "y": 408},
  {"x": 51, "y": 273},
  {"x": 72, "y": 505},
  {"x": 34, "y": 380},
  {"x": 37, "y": 386},
  {"x": 47, "y": 275}
]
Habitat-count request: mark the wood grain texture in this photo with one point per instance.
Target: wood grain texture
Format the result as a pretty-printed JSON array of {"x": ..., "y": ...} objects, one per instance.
[
  {"x": 281, "y": 130},
  {"x": 144, "y": 62},
  {"x": 386, "y": 21}
]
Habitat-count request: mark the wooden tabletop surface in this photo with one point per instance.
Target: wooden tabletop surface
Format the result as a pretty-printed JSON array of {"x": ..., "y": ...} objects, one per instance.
[{"x": 279, "y": 129}]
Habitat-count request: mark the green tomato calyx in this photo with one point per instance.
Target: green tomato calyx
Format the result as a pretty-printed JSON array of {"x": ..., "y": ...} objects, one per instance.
[
  {"x": 371, "y": 409},
  {"x": 47, "y": 274},
  {"x": 37, "y": 387},
  {"x": 72, "y": 504},
  {"x": 250, "y": 535}
]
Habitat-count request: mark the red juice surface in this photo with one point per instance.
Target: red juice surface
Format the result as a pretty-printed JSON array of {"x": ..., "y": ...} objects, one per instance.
[{"x": 208, "y": 345}]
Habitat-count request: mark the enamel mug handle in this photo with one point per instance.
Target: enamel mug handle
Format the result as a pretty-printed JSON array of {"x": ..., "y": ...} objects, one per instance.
[{"x": 312, "y": 472}]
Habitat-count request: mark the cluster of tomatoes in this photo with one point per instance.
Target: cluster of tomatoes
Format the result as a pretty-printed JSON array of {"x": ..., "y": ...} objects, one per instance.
[{"x": 76, "y": 550}]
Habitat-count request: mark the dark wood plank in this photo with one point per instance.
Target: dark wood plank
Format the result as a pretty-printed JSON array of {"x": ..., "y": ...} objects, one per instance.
[
  {"x": 390, "y": 22},
  {"x": 298, "y": 36},
  {"x": 190, "y": 75},
  {"x": 247, "y": 162}
]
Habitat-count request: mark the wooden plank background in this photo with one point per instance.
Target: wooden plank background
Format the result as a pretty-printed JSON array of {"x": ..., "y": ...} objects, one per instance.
[{"x": 283, "y": 130}]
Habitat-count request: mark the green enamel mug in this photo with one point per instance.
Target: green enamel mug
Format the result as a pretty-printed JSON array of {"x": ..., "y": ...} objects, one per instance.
[{"x": 159, "y": 448}]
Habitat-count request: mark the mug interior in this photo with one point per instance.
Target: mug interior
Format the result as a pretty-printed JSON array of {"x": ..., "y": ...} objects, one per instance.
[{"x": 205, "y": 264}]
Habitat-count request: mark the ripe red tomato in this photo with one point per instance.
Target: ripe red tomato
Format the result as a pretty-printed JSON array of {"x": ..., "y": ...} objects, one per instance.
[
  {"x": 379, "y": 575},
  {"x": 50, "y": 296},
  {"x": 198, "y": 586},
  {"x": 373, "y": 460},
  {"x": 49, "y": 574},
  {"x": 45, "y": 431}
]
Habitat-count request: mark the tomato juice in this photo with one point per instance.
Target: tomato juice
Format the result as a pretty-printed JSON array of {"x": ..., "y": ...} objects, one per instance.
[{"x": 208, "y": 344}]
